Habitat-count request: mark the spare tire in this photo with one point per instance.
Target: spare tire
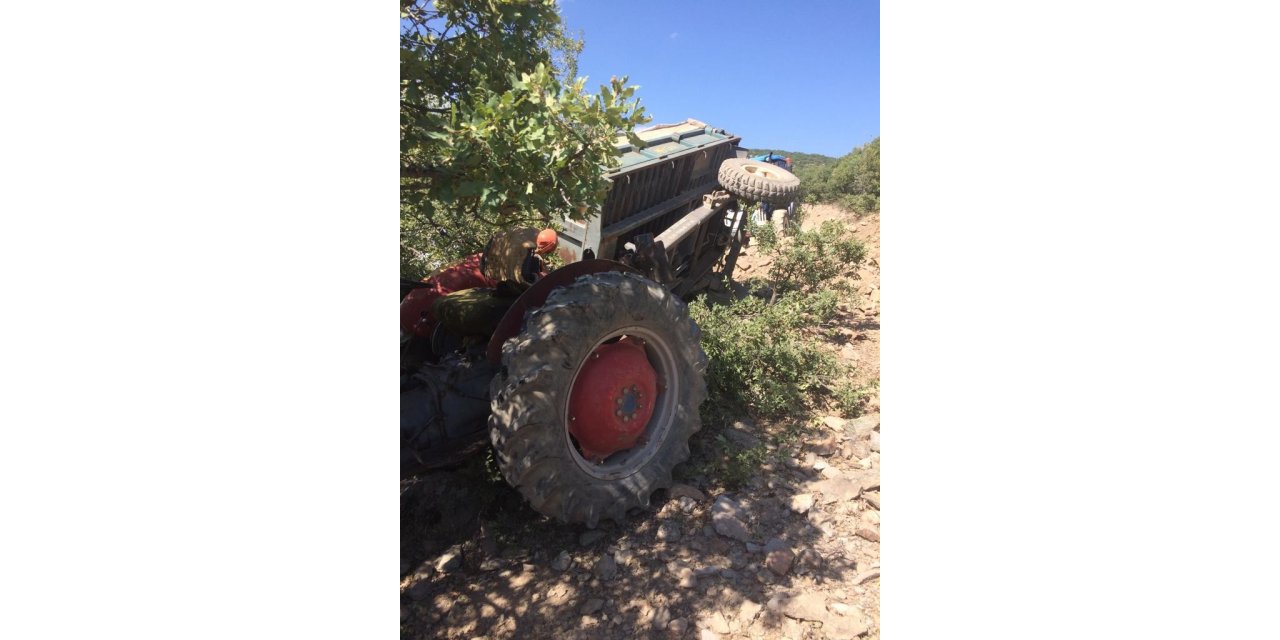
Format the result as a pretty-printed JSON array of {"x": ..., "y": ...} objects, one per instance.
[{"x": 758, "y": 181}]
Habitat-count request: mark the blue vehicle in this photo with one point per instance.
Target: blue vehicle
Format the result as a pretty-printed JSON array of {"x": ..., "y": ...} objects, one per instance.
[{"x": 765, "y": 213}]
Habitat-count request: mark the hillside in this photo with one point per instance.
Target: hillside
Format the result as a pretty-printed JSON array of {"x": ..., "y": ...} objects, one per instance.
[{"x": 800, "y": 158}]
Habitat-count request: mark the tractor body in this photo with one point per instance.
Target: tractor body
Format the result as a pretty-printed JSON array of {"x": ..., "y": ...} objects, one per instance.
[{"x": 586, "y": 379}]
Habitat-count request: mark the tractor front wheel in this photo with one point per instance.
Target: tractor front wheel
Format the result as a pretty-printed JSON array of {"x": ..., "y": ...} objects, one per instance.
[{"x": 598, "y": 397}]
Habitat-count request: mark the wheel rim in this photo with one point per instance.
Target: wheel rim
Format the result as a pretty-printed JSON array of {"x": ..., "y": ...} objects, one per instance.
[
  {"x": 762, "y": 170},
  {"x": 661, "y": 406}
]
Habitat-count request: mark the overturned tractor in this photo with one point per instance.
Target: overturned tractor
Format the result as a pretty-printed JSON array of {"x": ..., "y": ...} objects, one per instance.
[{"x": 585, "y": 379}]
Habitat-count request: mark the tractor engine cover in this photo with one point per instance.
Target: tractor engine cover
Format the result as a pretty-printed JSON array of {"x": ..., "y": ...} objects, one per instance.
[{"x": 612, "y": 399}]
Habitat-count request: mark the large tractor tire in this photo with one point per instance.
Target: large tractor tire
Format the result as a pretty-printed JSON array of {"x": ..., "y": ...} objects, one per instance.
[
  {"x": 597, "y": 397},
  {"x": 758, "y": 181}
]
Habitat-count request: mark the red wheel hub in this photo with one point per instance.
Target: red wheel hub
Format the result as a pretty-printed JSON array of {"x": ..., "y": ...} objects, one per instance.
[{"x": 612, "y": 399}]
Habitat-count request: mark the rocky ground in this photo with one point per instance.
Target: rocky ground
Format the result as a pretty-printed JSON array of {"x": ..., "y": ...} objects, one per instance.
[{"x": 794, "y": 552}]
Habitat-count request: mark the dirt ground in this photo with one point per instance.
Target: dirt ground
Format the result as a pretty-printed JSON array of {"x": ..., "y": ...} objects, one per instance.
[{"x": 792, "y": 553}]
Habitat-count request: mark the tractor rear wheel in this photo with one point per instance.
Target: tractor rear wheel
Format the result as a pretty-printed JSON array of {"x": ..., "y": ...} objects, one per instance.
[{"x": 597, "y": 397}]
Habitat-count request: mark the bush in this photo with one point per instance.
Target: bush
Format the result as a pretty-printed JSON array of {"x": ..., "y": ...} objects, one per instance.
[
  {"x": 763, "y": 357},
  {"x": 811, "y": 260}
]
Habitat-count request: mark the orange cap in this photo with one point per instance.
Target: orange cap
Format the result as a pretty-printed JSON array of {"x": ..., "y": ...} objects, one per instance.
[{"x": 547, "y": 240}]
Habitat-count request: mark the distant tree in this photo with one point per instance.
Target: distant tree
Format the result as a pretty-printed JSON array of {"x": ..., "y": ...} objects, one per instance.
[
  {"x": 855, "y": 179},
  {"x": 496, "y": 130}
]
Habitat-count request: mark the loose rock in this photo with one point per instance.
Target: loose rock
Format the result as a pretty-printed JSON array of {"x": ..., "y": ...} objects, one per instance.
[
  {"x": 806, "y": 605},
  {"x": 606, "y": 568},
  {"x": 715, "y": 622},
  {"x": 669, "y": 532},
  {"x": 836, "y": 489},
  {"x": 724, "y": 517},
  {"x": 801, "y": 503},
  {"x": 843, "y": 628},
  {"x": 868, "y": 534},
  {"x": 679, "y": 490},
  {"x": 834, "y": 423},
  {"x": 589, "y": 537},
  {"x": 562, "y": 561},
  {"x": 827, "y": 445},
  {"x": 449, "y": 560},
  {"x": 591, "y": 606},
  {"x": 678, "y": 625},
  {"x": 779, "y": 561}
]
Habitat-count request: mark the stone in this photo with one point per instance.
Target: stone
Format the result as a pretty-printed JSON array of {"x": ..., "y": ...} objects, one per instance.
[
  {"x": 707, "y": 634},
  {"x": 748, "y": 611},
  {"x": 726, "y": 518},
  {"x": 684, "y": 490},
  {"x": 859, "y": 450},
  {"x": 820, "y": 465},
  {"x": 874, "y": 441},
  {"x": 835, "y": 423},
  {"x": 714, "y": 621},
  {"x": 726, "y": 505},
  {"x": 687, "y": 578},
  {"x": 872, "y": 499},
  {"x": 807, "y": 561},
  {"x": 864, "y": 425},
  {"x": 420, "y": 590},
  {"x": 702, "y": 572},
  {"x": 836, "y": 489},
  {"x": 871, "y": 518},
  {"x": 591, "y": 606},
  {"x": 741, "y": 436},
  {"x": 678, "y": 626},
  {"x": 832, "y": 472},
  {"x": 661, "y": 618},
  {"x": 803, "y": 605},
  {"x": 866, "y": 576},
  {"x": 686, "y": 504},
  {"x": 606, "y": 568},
  {"x": 870, "y": 481},
  {"x": 669, "y": 532},
  {"x": 792, "y": 629},
  {"x": 589, "y": 537},
  {"x": 843, "y": 627},
  {"x": 449, "y": 560},
  {"x": 623, "y": 556},
  {"x": 868, "y": 534},
  {"x": 827, "y": 445},
  {"x": 779, "y": 561},
  {"x": 801, "y": 503},
  {"x": 562, "y": 561}
]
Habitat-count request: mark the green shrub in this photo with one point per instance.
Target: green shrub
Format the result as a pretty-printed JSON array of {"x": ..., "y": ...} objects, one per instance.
[
  {"x": 851, "y": 399},
  {"x": 760, "y": 360},
  {"x": 811, "y": 260}
]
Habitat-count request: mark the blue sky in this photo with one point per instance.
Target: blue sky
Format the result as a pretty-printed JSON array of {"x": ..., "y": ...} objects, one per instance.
[{"x": 800, "y": 76}]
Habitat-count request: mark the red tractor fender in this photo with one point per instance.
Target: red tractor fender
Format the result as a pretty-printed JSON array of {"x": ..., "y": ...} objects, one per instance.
[{"x": 513, "y": 321}]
